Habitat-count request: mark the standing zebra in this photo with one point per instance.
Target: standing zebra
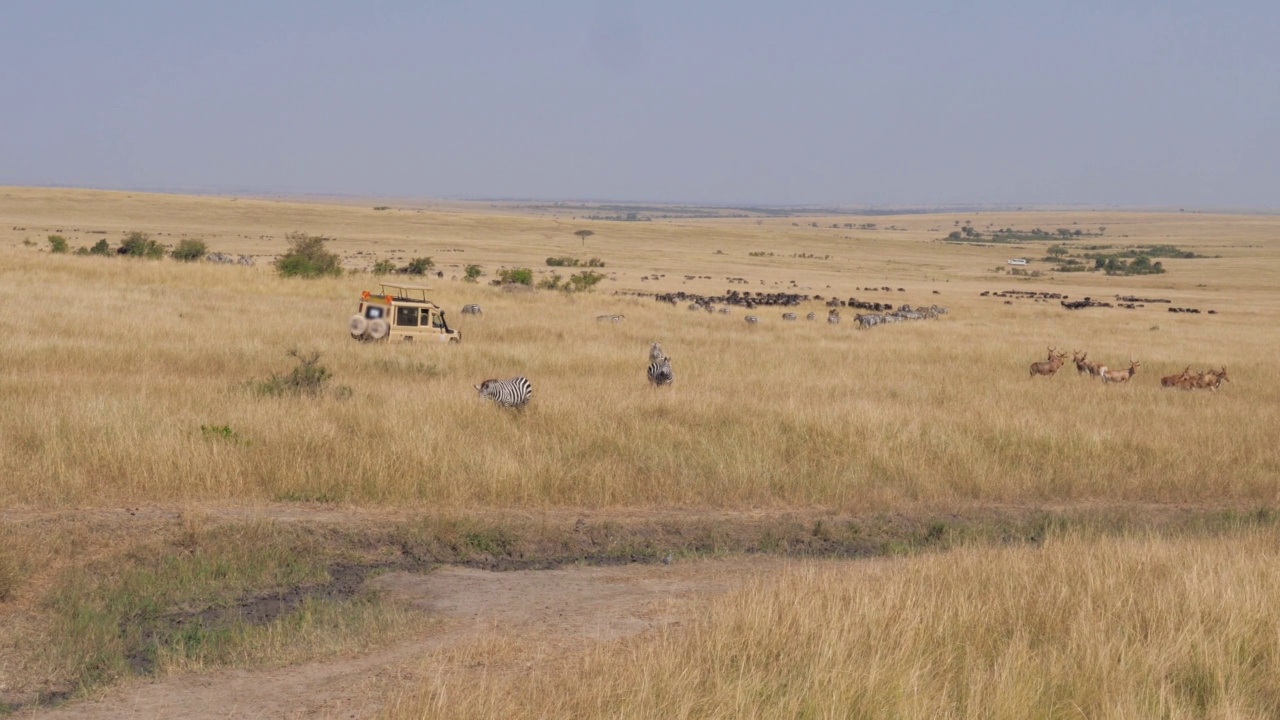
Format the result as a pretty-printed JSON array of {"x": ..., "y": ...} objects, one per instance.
[
  {"x": 833, "y": 316},
  {"x": 472, "y": 310},
  {"x": 655, "y": 352},
  {"x": 506, "y": 393},
  {"x": 660, "y": 372},
  {"x": 752, "y": 319}
]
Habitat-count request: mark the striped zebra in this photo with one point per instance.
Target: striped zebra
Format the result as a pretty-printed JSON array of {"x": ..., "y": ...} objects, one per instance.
[
  {"x": 655, "y": 352},
  {"x": 752, "y": 319},
  {"x": 788, "y": 316},
  {"x": 472, "y": 310},
  {"x": 833, "y": 316},
  {"x": 660, "y": 372},
  {"x": 811, "y": 316},
  {"x": 506, "y": 393}
]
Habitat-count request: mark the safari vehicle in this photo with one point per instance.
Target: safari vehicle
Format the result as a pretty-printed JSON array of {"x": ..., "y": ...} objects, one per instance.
[{"x": 400, "y": 312}]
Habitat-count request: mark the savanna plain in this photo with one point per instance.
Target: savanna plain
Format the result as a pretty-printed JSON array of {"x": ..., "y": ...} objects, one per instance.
[{"x": 813, "y": 520}]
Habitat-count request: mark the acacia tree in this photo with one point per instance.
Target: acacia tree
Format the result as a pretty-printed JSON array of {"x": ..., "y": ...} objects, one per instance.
[{"x": 584, "y": 234}]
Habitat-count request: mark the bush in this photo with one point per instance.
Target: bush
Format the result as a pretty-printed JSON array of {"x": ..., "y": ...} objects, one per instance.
[
  {"x": 189, "y": 250},
  {"x": 102, "y": 247},
  {"x": 516, "y": 276},
  {"x": 308, "y": 378},
  {"x": 584, "y": 280},
  {"x": 552, "y": 282},
  {"x": 308, "y": 258},
  {"x": 383, "y": 267},
  {"x": 57, "y": 244},
  {"x": 473, "y": 273},
  {"x": 140, "y": 244},
  {"x": 418, "y": 266}
]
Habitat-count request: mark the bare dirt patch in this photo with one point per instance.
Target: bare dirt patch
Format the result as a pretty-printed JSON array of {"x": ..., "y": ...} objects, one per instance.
[{"x": 553, "y": 610}]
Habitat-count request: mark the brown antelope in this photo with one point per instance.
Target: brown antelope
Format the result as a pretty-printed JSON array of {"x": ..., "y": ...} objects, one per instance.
[
  {"x": 1174, "y": 380},
  {"x": 1082, "y": 363},
  {"x": 1212, "y": 379},
  {"x": 1119, "y": 376},
  {"x": 1050, "y": 366}
]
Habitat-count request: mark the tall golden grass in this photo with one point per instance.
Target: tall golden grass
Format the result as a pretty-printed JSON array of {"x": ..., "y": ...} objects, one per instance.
[
  {"x": 1081, "y": 627},
  {"x": 111, "y": 367}
]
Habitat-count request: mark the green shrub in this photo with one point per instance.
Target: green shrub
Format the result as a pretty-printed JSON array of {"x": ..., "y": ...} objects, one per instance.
[
  {"x": 516, "y": 276},
  {"x": 308, "y": 258},
  {"x": 473, "y": 273},
  {"x": 189, "y": 250},
  {"x": 383, "y": 267},
  {"x": 308, "y": 378},
  {"x": 419, "y": 266},
  {"x": 140, "y": 244},
  {"x": 584, "y": 280},
  {"x": 552, "y": 282},
  {"x": 57, "y": 244},
  {"x": 102, "y": 247}
]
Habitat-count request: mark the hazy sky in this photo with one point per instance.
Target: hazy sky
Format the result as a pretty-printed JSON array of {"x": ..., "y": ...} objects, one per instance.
[{"x": 1168, "y": 103}]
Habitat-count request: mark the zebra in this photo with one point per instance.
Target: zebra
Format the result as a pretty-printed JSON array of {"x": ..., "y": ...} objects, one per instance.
[
  {"x": 506, "y": 393},
  {"x": 472, "y": 310},
  {"x": 660, "y": 372},
  {"x": 655, "y": 352},
  {"x": 610, "y": 318},
  {"x": 723, "y": 311},
  {"x": 833, "y": 317},
  {"x": 866, "y": 321},
  {"x": 752, "y": 319},
  {"x": 788, "y": 316},
  {"x": 811, "y": 316}
]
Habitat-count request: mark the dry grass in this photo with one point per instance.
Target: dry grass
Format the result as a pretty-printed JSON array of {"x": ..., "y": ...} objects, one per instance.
[
  {"x": 1082, "y": 627},
  {"x": 111, "y": 367}
]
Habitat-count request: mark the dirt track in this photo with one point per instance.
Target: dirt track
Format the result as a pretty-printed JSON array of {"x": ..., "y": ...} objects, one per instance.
[{"x": 551, "y": 610}]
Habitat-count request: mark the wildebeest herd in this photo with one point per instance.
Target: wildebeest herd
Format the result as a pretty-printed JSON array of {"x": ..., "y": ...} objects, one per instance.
[{"x": 1186, "y": 380}]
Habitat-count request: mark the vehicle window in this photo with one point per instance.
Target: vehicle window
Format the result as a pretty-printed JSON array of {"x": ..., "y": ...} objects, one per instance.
[
  {"x": 437, "y": 321},
  {"x": 407, "y": 316},
  {"x": 373, "y": 312},
  {"x": 426, "y": 317}
]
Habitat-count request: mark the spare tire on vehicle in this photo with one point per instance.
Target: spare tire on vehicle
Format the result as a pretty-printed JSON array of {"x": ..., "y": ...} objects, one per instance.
[
  {"x": 357, "y": 325},
  {"x": 378, "y": 328}
]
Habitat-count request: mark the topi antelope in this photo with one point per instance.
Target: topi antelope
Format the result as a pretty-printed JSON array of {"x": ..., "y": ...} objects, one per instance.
[
  {"x": 1119, "y": 376},
  {"x": 1050, "y": 366},
  {"x": 1082, "y": 363},
  {"x": 1176, "y": 380}
]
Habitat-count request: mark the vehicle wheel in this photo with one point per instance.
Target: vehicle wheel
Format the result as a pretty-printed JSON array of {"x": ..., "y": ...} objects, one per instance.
[
  {"x": 378, "y": 328},
  {"x": 357, "y": 325}
]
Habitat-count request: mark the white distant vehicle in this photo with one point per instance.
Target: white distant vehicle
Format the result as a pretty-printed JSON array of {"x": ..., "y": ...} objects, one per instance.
[{"x": 1018, "y": 261}]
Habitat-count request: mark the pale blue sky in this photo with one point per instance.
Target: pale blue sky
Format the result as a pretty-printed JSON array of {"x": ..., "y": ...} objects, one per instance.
[{"x": 907, "y": 103}]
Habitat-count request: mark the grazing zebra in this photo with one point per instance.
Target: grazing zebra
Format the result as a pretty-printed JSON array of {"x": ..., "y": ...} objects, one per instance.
[
  {"x": 811, "y": 316},
  {"x": 472, "y": 310},
  {"x": 833, "y": 316},
  {"x": 788, "y": 316},
  {"x": 610, "y": 318},
  {"x": 723, "y": 311},
  {"x": 506, "y": 393},
  {"x": 752, "y": 319},
  {"x": 866, "y": 321},
  {"x": 660, "y": 372},
  {"x": 655, "y": 352}
]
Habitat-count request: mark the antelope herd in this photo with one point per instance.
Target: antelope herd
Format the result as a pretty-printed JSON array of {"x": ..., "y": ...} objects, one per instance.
[{"x": 1186, "y": 380}]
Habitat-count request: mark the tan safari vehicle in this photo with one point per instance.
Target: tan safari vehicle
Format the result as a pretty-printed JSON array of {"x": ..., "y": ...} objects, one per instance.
[{"x": 400, "y": 312}]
